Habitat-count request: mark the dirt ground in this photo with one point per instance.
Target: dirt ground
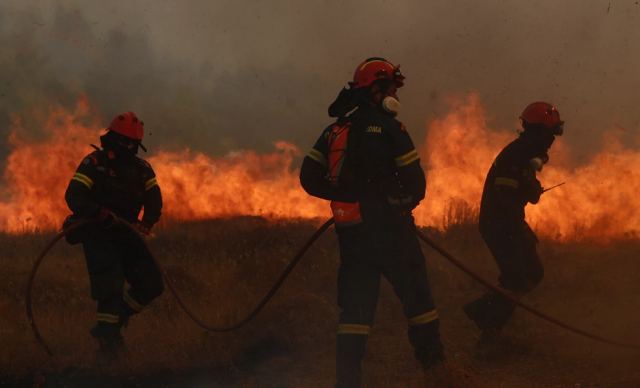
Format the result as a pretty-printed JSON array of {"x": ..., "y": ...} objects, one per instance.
[{"x": 223, "y": 267}]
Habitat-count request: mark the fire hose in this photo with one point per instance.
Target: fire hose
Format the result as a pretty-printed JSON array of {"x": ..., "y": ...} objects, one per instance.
[
  {"x": 458, "y": 263},
  {"x": 32, "y": 276},
  {"x": 261, "y": 304},
  {"x": 294, "y": 261},
  {"x": 283, "y": 276}
]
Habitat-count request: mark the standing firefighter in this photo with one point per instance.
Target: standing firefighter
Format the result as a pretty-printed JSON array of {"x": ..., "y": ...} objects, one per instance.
[
  {"x": 113, "y": 182},
  {"x": 511, "y": 183},
  {"x": 366, "y": 164}
]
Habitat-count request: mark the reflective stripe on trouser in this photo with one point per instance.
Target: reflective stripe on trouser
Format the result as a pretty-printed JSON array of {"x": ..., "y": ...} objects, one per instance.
[
  {"x": 113, "y": 319},
  {"x": 393, "y": 247},
  {"x": 424, "y": 335},
  {"x": 112, "y": 259},
  {"x": 357, "y": 298},
  {"x": 353, "y": 329},
  {"x": 131, "y": 302},
  {"x": 109, "y": 318},
  {"x": 423, "y": 318},
  {"x": 392, "y": 250}
]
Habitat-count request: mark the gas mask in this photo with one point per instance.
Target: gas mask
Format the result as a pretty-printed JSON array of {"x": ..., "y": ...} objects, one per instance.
[
  {"x": 538, "y": 162},
  {"x": 123, "y": 147}
]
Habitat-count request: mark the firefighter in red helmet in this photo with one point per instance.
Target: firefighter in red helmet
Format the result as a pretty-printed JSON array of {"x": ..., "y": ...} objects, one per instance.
[
  {"x": 366, "y": 164},
  {"x": 113, "y": 182},
  {"x": 510, "y": 185}
]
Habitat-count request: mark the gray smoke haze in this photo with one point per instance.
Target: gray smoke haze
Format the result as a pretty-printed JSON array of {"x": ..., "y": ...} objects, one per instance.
[{"x": 223, "y": 75}]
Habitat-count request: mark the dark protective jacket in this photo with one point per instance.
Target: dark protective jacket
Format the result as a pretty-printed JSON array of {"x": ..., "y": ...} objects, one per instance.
[
  {"x": 381, "y": 169},
  {"x": 122, "y": 185},
  {"x": 388, "y": 172},
  {"x": 510, "y": 184}
]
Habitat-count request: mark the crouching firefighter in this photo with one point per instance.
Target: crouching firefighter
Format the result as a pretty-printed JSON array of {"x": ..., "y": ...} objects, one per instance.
[
  {"x": 366, "y": 165},
  {"x": 510, "y": 185},
  {"x": 113, "y": 182}
]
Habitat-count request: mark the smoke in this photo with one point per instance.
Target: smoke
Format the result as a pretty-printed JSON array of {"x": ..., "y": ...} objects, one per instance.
[{"x": 224, "y": 75}]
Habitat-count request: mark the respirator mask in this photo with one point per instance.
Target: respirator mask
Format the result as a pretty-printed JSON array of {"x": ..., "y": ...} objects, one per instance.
[{"x": 391, "y": 105}]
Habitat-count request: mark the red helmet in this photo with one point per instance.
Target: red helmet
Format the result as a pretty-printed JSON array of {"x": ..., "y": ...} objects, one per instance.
[
  {"x": 374, "y": 69},
  {"x": 542, "y": 114},
  {"x": 128, "y": 124}
]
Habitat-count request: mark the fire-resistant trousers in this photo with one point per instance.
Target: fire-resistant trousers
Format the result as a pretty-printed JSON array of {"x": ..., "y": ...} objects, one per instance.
[
  {"x": 520, "y": 271},
  {"x": 369, "y": 251},
  {"x": 113, "y": 257}
]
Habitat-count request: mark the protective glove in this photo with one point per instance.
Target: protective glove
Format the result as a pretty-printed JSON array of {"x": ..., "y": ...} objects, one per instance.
[
  {"x": 143, "y": 229},
  {"x": 76, "y": 235},
  {"x": 404, "y": 203},
  {"x": 535, "y": 190}
]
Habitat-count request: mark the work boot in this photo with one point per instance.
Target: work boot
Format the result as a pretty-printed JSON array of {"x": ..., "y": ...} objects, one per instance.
[
  {"x": 430, "y": 356},
  {"x": 349, "y": 354},
  {"x": 490, "y": 312},
  {"x": 110, "y": 342},
  {"x": 476, "y": 311},
  {"x": 125, "y": 316}
]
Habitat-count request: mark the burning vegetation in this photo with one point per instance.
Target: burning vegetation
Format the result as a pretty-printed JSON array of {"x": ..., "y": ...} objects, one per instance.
[{"x": 596, "y": 204}]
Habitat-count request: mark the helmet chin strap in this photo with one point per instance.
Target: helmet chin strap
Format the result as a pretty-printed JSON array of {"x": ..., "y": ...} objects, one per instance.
[{"x": 391, "y": 105}]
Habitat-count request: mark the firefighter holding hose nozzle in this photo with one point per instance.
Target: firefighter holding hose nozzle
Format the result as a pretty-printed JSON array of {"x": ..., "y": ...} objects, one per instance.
[
  {"x": 510, "y": 185},
  {"x": 113, "y": 183},
  {"x": 366, "y": 165}
]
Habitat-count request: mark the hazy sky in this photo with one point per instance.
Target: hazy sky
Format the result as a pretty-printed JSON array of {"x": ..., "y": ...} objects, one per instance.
[{"x": 222, "y": 75}]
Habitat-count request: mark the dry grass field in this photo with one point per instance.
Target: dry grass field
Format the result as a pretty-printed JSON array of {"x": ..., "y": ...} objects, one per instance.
[{"x": 222, "y": 267}]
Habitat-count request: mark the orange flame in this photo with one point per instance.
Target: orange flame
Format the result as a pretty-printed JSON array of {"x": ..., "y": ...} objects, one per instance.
[
  {"x": 598, "y": 202},
  {"x": 194, "y": 185},
  {"x": 197, "y": 186},
  {"x": 37, "y": 173},
  {"x": 457, "y": 152}
]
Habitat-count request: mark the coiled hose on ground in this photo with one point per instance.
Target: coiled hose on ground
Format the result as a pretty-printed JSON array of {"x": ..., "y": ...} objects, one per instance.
[{"x": 289, "y": 268}]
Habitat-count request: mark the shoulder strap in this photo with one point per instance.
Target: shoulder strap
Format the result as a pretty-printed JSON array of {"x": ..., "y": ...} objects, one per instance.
[{"x": 337, "y": 141}]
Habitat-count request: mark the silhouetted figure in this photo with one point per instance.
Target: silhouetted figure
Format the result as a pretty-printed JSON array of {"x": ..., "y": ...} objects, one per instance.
[
  {"x": 366, "y": 164},
  {"x": 113, "y": 181},
  {"x": 510, "y": 185}
]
